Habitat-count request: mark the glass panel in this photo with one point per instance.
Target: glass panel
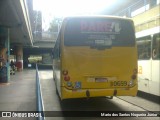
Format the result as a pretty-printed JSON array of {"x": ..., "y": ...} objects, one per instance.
[
  {"x": 156, "y": 47},
  {"x": 97, "y": 32},
  {"x": 56, "y": 50},
  {"x": 144, "y": 48}
]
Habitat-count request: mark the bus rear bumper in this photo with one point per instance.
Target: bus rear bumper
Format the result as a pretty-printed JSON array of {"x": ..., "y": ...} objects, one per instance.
[{"x": 86, "y": 93}]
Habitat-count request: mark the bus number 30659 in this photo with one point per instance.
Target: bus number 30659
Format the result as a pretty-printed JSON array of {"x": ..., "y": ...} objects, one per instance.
[{"x": 119, "y": 83}]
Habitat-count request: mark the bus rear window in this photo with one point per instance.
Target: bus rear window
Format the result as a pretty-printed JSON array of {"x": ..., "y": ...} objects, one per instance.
[{"x": 98, "y": 32}]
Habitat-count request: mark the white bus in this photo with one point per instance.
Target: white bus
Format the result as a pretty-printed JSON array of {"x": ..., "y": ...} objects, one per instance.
[{"x": 148, "y": 43}]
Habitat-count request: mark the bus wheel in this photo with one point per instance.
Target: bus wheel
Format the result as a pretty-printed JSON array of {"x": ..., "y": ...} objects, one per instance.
[{"x": 57, "y": 92}]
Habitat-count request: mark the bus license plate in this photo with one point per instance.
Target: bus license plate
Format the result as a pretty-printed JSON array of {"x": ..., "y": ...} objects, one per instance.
[
  {"x": 119, "y": 83},
  {"x": 101, "y": 79}
]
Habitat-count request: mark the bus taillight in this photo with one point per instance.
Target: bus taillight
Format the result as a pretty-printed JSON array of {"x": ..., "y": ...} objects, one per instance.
[
  {"x": 66, "y": 76},
  {"x": 133, "y": 77}
]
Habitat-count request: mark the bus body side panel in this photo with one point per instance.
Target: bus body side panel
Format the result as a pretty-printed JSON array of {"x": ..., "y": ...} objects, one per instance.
[
  {"x": 57, "y": 76},
  {"x": 144, "y": 75},
  {"x": 148, "y": 76},
  {"x": 154, "y": 85},
  {"x": 57, "y": 66}
]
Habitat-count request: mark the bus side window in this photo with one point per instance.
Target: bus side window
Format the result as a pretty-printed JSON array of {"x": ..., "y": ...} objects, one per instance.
[
  {"x": 144, "y": 48},
  {"x": 156, "y": 47},
  {"x": 56, "y": 50}
]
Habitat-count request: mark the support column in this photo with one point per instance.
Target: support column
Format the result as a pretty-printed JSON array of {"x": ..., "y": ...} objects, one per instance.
[
  {"x": 25, "y": 61},
  {"x": 19, "y": 57},
  {"x": 4, "y": 55}
]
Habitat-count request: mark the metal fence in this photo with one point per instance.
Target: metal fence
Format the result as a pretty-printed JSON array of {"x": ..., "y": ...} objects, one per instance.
[{"x": 40, "y": 107}]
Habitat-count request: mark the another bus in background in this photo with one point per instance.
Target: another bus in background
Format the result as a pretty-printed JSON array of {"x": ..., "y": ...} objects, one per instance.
[{"x": 148, "y": 43}]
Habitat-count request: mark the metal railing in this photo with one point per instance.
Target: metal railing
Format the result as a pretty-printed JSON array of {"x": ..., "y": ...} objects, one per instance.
[
  {"x": 136, "y": 5},
  {"x": 44, "y": 36},
  {"x": 40, "y": 107}
]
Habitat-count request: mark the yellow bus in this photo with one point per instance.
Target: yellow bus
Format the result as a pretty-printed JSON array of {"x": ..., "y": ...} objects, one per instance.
[{"x": 95, "y": 56}]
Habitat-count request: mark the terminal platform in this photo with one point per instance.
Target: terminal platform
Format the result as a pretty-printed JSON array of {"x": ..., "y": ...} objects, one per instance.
[{"x": 20, "y": 95}]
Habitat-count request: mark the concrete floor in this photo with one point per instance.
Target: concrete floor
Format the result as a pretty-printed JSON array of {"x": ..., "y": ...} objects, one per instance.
[{"x": 20, "y": 93}]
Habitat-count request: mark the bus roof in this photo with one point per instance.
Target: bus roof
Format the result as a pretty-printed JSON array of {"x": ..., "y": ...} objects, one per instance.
[{"x": 97, "y": 16}]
